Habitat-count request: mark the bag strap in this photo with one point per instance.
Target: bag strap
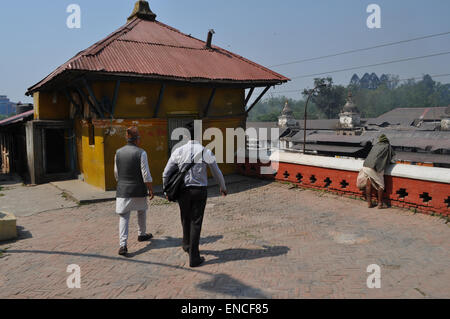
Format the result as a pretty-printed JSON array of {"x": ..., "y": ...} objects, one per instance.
[{"x": 191, "y": 164}]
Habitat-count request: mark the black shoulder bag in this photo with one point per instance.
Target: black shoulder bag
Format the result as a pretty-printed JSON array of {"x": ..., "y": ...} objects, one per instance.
[{"x": 175, "y": 182}]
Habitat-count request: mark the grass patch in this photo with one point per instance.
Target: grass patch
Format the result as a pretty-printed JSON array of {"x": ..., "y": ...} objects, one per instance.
[
  {"x": 3, "y": 252},
  {"x": 245, "y": 234},
  {"x": 159, "y": 202}
]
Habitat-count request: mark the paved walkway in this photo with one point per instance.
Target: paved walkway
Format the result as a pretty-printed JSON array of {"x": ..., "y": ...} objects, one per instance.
[
  {"x": 24, "y": 200},
  {"x": 262, "y": 241}
]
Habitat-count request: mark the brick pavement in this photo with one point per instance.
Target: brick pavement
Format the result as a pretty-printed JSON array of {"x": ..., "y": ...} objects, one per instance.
[{"x": 262, "y": 241}]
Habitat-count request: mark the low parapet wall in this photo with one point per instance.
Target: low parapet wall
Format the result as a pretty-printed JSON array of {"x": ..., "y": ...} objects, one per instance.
[{"x": 425, "y": 189}]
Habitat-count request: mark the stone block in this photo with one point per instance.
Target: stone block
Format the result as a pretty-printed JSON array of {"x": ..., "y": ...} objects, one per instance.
[{"x": 7, "y": 226}]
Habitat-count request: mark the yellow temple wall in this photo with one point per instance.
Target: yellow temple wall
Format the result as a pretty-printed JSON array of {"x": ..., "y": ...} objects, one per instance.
[{"x": 136, "y": 105}]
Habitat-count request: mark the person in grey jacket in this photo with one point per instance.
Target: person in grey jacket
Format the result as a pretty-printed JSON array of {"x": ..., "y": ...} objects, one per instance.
[
  {"x": 193, "y": 195},
  {"x": 134, "y": 185},
  {"x": 380, "y": 156}
]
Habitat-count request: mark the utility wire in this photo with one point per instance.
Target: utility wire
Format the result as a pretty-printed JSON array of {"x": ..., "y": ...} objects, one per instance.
[
  {"x": 372, "y": 65},
  {"x": 400, "y": 80},
  {"x": 363, "y": 49}
]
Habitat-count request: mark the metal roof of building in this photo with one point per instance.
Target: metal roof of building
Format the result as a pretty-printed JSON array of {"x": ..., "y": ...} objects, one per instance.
[
  {"x": 426, "y": 140},
  {"x": 332, "y": 137},
  {"x": 329, "y": 148},
  {"x": 422, "y": 157},
  {"x": 406, "y": 116},
  {"x": 151, "y": 49},
  {"x": 16, "y": 118}
]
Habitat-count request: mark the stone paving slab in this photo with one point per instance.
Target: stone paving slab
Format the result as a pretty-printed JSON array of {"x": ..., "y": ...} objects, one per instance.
[
  {"x": 264, "y": 240},
  {"x": 84, "y": 193},
  {"x": 29, "y": 200}
]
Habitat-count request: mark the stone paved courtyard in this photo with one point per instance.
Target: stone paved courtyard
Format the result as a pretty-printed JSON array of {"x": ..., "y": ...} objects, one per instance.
[{"x": 262, "y": 241}]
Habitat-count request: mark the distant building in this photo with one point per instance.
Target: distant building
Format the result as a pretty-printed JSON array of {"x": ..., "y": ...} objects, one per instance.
[
  {"x": 286, "y": 119},
  {"x": 350, "y": 118},
  {"x": 445, "y": 121},
  {"x": 13, "y": 146},
  {"x": 6, "y": 106},
  {"x": 420, "y": 136}
]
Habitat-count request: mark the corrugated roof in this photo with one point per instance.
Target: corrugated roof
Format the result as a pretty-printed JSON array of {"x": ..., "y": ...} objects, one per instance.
[
  {"x": 422, "y": 157},
  {"x": 329, "y": 148},
  {"x": 406, "y": 116},
  {"x": 16, "y": 118},
  {"x": 153, "y": 49},
  {"x": 426, "y": 140},
  {"x": 332, "y": 137},
  {"x": 322, "y": 124}
]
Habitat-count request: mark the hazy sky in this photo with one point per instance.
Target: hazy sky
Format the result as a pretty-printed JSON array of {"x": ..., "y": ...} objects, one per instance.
[{"x": 35, "y": 39}]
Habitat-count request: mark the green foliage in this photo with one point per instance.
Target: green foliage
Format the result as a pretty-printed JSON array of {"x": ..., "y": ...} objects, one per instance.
[
  {"x": 328, "y": 98},
  {"x": 269, "y": 110},
  {"x": 424, "y": 93},
  {"x": 328, "y": 101},
  {"x": 3, "y": 252}
]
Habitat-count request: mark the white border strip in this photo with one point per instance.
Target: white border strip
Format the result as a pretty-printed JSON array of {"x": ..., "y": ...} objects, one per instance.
[{"x": 432, "y": 174}]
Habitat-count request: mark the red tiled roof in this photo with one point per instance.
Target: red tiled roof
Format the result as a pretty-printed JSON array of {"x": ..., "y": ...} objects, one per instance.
[{"x": 153, "y": 49}]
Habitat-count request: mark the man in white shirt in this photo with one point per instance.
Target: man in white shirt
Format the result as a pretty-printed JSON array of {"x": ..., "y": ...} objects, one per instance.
[
  {"x": 134, "y": 184},
  {"x": 193, "y": 196}
]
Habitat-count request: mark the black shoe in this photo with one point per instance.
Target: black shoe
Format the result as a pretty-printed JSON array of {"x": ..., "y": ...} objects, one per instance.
[
  {"x": 123, "y": 250},
  {"x": 198, "y": 262},
  {"x": 145, "y": 237}
]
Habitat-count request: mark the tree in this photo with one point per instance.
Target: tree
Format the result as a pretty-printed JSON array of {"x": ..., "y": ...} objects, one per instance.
[
  {"x": 329, "y": 99},
  {"x": 327, "y": 102},
  {"x": 390, "y": 81}
]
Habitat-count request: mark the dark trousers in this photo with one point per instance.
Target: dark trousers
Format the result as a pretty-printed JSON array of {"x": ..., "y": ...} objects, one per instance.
[{"x": 192, "y": 202}]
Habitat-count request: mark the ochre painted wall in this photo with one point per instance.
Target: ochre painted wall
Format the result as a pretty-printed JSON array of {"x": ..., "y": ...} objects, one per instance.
[
  {"x": 223, "y": 124},
  {"x": 154, "y": 141},
  {"x": 78, "y": 129},
  {"x": 92, "y": 156},
  {"x": 134, "y": 101},
  {"x": 51, "y": 106},
  {"x": 138, "y": 100},
  {"x": 136, "y": 105}
]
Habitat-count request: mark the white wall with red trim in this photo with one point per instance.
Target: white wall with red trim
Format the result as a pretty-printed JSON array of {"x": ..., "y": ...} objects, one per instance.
[{"x": 424, "y": 189}]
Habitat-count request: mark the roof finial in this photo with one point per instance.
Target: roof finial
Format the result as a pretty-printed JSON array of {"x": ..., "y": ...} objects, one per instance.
[
  {"x": 350, "y": 105},
  {"x": 142, "y": 11},
  {"x": 286, "y": 110}
]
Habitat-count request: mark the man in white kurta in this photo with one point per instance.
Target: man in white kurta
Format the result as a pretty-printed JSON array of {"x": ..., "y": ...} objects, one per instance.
[{"x": 132, "y": 173}]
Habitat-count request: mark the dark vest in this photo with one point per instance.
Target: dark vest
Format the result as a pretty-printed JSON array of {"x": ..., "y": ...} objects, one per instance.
[{"x": 131, "y": 182}]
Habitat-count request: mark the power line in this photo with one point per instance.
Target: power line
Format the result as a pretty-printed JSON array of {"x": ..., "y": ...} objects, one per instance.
[
  {"x": 401, "y": 80},
  {"x": 362, "y": 49},
  {"x": 372, "y": 65}
]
